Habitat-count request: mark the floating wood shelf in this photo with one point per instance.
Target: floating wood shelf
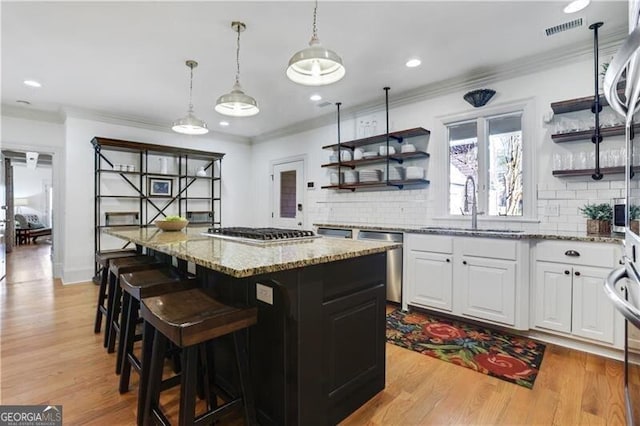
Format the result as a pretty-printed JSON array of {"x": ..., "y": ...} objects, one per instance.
[
  {"x": 393, "y": 136},
  {"x": 379, "y": 159},
  {"x": 579, "y": 104},
  {"x": 586, "y": 134},
  {"x": 383, "y": 184},
  {"x": 588, "y": 172}
]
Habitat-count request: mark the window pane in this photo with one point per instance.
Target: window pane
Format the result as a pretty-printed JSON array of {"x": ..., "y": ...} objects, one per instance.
[
  {"x": 463, "y": 162},
  {"x": 288, "y": 194},
  {"x": 505, "y": 166}
]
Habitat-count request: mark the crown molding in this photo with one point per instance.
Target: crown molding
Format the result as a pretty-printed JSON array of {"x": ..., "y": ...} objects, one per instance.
[
  {"x": 32, "y": 114},
  {"x": 520, "y": 67}
]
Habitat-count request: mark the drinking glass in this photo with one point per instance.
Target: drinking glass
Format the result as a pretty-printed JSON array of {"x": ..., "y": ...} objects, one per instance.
[{"x": 557, "y": 161}]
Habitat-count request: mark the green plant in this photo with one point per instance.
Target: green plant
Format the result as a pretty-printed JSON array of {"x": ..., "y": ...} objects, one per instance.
[
  {"x": 604, "y": 67},
  {"x": 634, "y": 212},
  {"x": 597, "y": 211},
  {"x": 174, "y": 218}
]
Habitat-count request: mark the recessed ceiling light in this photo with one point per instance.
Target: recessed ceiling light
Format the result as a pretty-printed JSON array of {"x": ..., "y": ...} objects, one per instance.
[
  {"x": 21, "y": 101},
  {"x": 32, "y": 83},
  {"x": 576, "y": 6},
  {"x": 224, "y": 123},
  {"x": 315, "y": 97},
  {"x": 412, "y": 63}
]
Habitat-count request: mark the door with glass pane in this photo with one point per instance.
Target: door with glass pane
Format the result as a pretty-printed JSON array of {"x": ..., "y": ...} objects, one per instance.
[{"x": 288, "y": 209}]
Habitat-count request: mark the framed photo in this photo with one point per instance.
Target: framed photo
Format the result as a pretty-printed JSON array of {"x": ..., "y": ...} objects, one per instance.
[{"x": 159, "y": 187}]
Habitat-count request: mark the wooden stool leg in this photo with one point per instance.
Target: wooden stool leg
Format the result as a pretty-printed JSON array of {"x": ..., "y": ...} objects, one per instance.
[
  {"x": 110, "y": 295},
  {"x": 188, "y": 385},
  {"x": 124, "y": 317},
  {"x": 115, "y": 315},
  {"x": 143, "y": 387},
  {"x": 152, "y": 399},
  {"x": 128, "y": 330},
  {"x": 239, "y": 342},
  {"x": 102, "y": 295}
]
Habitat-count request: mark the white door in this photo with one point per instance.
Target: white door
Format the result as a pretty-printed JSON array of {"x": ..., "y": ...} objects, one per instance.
[
  {"x": 288, "y": 207},
  {"x": 430, "y": 279},
  {"x": 552, "y": 305},
  {"x": 593, "y": 312}
]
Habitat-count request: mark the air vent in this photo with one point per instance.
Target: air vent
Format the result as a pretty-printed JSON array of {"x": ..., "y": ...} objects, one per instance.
[
  {"x": 323, "y": 104},
  {"x": 564, "y": 27}
]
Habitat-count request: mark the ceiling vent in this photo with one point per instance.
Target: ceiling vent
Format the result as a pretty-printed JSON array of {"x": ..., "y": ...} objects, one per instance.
[
  {"x": 564, "y": 27},
  {"x": 323, "y": 104}
]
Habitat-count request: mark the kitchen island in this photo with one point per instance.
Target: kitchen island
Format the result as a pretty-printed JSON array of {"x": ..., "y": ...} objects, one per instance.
[{"x": 317, "y": 352}]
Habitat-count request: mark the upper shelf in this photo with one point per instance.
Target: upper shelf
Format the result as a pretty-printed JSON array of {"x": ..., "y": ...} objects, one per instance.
[
  {"x": 379, "y": 159},
  {"x": 121, "y": 145},
  {"x": 579, "y": 104},
  {"x": 586, "y": 134},
  {"x": 397, "y": 136},
  {"x": 589, "y": 172},
  {"x": 390, "y": 184}
]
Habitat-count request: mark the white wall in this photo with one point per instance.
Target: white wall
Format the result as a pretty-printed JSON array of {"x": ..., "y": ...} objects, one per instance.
[
  {"x": 30, "y": 185},
  {"x": 426, "y": 206}
]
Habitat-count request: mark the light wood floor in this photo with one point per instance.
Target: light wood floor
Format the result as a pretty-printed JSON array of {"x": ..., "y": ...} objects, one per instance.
[{"x": 50, "y": 355}]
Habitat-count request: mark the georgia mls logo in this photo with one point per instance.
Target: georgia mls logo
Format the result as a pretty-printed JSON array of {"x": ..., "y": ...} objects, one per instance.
[{"x": 30, "y": 415}]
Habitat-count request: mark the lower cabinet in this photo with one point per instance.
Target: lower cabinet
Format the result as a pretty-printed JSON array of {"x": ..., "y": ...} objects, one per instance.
[
  {"x": 569, "y": 297},
  {"x": 480, "y": 278}
]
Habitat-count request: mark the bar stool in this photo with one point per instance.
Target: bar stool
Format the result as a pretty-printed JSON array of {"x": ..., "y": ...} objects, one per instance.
[
  {"x": 191, "y": 319},
  {"x": 103, "y": 258},
  {"x": 116, "y": 268}
]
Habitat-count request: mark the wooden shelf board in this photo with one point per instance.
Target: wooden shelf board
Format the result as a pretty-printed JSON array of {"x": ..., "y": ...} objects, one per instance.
[
  {"x": 587, "y": 134},
  {"x": 383, "y": 184},
  {"x": 379, "y": 159},
  {"x": 579, "y": 104},
  {"x": 137, "y": 147},
  {"x": 120, "y": 196},
  {"x": 118, "y": 172},
  {"x": 393, "y": 137}
]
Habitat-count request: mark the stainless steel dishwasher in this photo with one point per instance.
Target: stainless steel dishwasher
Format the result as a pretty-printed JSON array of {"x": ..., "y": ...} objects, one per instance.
[
  {"x": 394, "y": 261},
  {"x": 335, "y": 232}
]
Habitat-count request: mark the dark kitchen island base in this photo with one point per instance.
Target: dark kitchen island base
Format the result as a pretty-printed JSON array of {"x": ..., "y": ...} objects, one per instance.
[{"x": 318, "y": 351}]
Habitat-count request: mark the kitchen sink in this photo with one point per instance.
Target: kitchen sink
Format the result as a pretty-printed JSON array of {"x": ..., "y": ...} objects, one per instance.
[{"x": 480, "y": 231}]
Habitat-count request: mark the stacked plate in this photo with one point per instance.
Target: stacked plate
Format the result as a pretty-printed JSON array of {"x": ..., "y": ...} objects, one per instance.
[
  {"x": 351, "y": 176},
  {"x": 369, "y": 154},
  {"x": 415, "y": 172},
  {"x": 396, "y": 173},
  {"x": 370, "y": 175}
]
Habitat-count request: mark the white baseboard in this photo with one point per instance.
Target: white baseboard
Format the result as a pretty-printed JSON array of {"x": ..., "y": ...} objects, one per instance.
[{"x": 77, "y": 276}]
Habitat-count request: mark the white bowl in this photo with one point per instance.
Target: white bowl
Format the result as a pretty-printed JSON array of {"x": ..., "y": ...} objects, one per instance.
[
  {"x": 345, "y": 155},
  {"x": 383, "y": 150},
  {"x": 408, "y": 148},
  {"x": 358, "y": 153}
]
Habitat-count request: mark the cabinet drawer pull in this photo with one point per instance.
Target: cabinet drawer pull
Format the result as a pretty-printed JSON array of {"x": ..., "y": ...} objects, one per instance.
[
  {"x": 464, "y": 262},
  {"x": 572, "y": 253},
  {"x": 448, "y": 260},
  {"x": 566, "y": 272},
  {"x": 577, "y": 274}
]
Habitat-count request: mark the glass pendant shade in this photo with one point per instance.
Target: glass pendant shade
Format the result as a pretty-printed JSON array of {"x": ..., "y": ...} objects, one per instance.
[
  {"x": 190, "y": 124},
  {"x": 315, "y": 66},
  {"x": 237, "y": 103}
]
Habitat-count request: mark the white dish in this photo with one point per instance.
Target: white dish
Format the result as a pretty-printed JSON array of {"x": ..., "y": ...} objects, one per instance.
[
  {"x": 358, "y": 153},
  {"x": 369, "y": 154},
  {"x": 383, "y": 150},
  {"x": 413, "y": 172},
  {"x": 408, "y": 148},
  {"x": 345, "y": 155}
]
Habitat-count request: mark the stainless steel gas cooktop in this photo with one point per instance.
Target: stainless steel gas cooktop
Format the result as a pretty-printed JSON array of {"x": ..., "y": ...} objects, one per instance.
[{"x": 262, "y": 236}]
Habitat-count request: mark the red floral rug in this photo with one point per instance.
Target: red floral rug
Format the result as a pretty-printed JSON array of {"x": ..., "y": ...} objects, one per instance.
[{"x": 511, "y": 358}]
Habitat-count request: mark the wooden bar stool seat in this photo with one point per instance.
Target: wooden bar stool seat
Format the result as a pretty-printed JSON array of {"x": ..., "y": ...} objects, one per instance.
[
  {"x": 103, "y": 258},
  {"x": 116, "y": 268},
  {"x": 191, "y": 319},
  {"x": 135, "y": 286}
]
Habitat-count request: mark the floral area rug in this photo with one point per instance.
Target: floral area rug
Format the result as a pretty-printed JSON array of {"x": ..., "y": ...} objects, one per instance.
[{"x": 511, "y": 358}]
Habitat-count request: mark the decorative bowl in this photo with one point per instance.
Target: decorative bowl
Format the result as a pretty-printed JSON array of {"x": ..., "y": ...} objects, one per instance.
[{"x": 171, "y": 225}]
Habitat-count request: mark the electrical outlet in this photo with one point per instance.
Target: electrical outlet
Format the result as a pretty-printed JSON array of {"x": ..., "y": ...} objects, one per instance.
[
  {"x": 264, "y": 294},
  {"x": 551, "y": 210}
]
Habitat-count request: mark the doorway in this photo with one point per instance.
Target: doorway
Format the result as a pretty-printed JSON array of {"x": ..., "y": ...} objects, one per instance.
[{"x": 288, "y": 204}]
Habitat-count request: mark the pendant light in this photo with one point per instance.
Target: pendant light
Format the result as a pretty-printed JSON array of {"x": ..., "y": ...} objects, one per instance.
[
  {"x": 190, "y": 125},
  {"x": 236, "y": 103},
  {"x": 315, "y": 65}
]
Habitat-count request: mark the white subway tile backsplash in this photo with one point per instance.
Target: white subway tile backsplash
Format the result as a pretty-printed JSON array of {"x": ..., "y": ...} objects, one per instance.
[
  {"x": 609, "y": 193},
  {"x": 602, "y": 184},
  {"x": 547, "y": 195},
  {"x": 566, "y": 194},
  {"x": 576, "y": 185}
]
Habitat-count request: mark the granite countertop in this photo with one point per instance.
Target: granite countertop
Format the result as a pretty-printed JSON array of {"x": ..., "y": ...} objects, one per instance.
[
  {"x": 460, "y": 231},
  {"x": 244, "y": 260}
]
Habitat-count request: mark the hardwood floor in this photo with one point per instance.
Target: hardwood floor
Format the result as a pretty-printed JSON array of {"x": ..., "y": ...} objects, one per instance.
[{"x": 50, "y": 355}]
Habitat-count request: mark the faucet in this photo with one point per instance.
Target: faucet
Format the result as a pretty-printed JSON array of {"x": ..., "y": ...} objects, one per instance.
[{"x": 474, "y": 201}]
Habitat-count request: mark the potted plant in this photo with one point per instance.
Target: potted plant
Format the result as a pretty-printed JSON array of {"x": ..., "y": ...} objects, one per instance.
[
  {"x": 634, "y": 218},
  {"x": 598, "y": 218}
]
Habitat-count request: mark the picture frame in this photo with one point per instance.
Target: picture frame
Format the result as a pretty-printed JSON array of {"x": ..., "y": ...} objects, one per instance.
[{"x": 160, "y": 187}]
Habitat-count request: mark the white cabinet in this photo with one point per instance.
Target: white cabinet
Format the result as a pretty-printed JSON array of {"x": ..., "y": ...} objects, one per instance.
[
  {"x": 429, "y": 271},
  {"x": 568, "y": 289},
  {"x": 480, "y": 278}
]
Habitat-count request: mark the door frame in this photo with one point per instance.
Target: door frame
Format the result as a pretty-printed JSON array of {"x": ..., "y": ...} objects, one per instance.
[
  {"x": 57, "y": 178},
  {"x": 285, "y": 160}
]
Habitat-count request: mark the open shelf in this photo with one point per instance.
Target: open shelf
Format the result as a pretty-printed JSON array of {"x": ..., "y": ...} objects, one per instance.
[
  {"x": 200, "y": 177},
  {"x": 589, "y": 172},
  {"x": 383, "y": 184},
  {"x": 580, "y": 104},
  {"x": 379, "y": 159},
  {"x": 136, "y": 197},
  {"x": 393, "y": 136},
  {"x": 200, "y": 198},
  {"x": 120, "y": 172},
  {"x": 586, "y": 134}
]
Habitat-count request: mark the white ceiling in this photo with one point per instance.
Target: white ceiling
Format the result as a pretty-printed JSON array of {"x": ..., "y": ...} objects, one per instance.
[{"x": 127, "y": 58}]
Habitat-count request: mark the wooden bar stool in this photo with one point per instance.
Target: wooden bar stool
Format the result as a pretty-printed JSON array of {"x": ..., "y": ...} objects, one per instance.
[
  {"x": 104, "y": 258},
  {"x": 116, "y": 268},
  {"x": 136, "y": 286},
  {"x": 191, "y": 319}
]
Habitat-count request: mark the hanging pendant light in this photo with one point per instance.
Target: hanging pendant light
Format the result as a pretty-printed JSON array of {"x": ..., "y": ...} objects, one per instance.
[
  {"x": 190, "y": 125},
  {"x": 315, "y": 65},
  {"x": 236, "y": 103}
]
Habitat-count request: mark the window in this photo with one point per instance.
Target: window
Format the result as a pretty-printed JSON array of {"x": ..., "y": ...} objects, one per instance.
[{"x": 486, "y": 164}]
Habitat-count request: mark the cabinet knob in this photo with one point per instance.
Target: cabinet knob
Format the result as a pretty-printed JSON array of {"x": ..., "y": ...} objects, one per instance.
[
  {"x": 572, "y": 253},
  {"x": 448, "y": 260},
  {"x": 576, "y": 273},
  {"x": 464, "y": 262},
  {"x": 567, "y": 272}
]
